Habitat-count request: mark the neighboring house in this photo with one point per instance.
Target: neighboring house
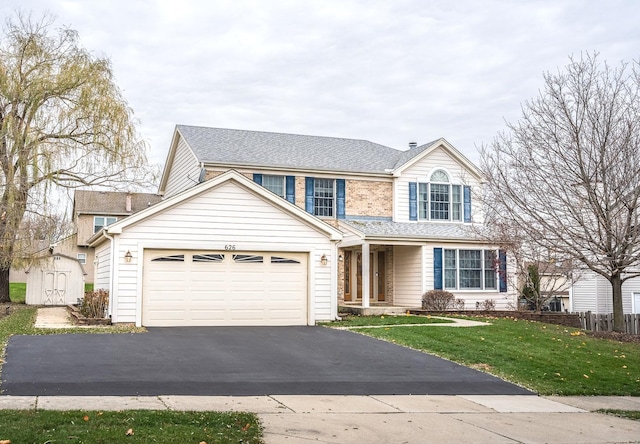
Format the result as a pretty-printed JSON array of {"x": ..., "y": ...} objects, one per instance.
[
  {"x": 592, "y": 292},
  {"x": 262, "y": 228},
  {"x": 555, "y": 284},
  {"x": 94, "y": 210}
]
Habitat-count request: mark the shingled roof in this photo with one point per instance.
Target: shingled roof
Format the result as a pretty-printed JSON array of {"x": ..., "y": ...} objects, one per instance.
[
  {"x": 391, "y": 229},
  {"x": 111, "y": 202},
  {"x": 265, "y": 149}
]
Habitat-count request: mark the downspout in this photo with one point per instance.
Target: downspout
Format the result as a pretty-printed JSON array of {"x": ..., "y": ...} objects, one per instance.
[{"x": 111, "y": 271}]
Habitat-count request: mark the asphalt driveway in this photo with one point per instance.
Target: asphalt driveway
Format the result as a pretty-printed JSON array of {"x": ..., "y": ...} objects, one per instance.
[{"x": 239, "y": 361}]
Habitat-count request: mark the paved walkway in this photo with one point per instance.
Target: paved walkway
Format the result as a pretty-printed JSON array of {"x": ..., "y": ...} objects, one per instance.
[
  {"x": 386, "y": 418},
  {"x": 390, "y": 419}
]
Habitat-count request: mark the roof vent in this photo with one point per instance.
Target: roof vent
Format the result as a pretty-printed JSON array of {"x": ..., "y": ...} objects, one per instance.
[{"x": 413, "y": 145}]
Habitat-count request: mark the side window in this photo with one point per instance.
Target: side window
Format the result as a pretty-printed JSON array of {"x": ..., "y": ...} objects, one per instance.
[
  {"x": 323, "y": 198},
  {"x": 99, "y": 222},
  {"x": 82, "y": 258},
  {"x": 275, "y": 184}
]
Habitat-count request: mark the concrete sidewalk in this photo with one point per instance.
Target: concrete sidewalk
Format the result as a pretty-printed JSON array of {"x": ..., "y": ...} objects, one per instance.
[{"x": 391, "y": 419}]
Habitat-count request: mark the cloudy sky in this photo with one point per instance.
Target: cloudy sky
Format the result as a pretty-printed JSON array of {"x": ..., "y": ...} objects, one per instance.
[{"x": 386, "y": 71}]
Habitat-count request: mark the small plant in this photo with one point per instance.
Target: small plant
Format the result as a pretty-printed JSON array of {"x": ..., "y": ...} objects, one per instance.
[
  {"x": 440, "y": 300},
  {"x": 486, "y": 305},
  {"x": 94, "y": 304}
]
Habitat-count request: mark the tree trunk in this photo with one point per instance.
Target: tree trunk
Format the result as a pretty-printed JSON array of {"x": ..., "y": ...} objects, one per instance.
[
  {"x": 618, "y": 314},
  {"x": 4, "y": 286}
]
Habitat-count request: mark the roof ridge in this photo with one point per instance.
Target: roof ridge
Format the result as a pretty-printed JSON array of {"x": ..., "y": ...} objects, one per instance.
[{"x": 285, "y": 134}]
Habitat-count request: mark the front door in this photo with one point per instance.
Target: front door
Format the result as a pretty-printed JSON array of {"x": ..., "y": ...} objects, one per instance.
[
  {"x": 347, "y": 275},
  {"x": 377, "y": 276}
]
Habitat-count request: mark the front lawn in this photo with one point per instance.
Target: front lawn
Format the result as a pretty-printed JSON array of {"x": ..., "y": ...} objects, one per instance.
[
  {"x": 357, "y": 321},
  {"x": 549, "y": 359},
  {"x": 132, "y": 426}
]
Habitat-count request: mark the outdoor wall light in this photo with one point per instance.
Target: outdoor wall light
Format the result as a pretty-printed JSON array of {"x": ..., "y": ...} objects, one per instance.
[
  {"x": 323, "y": 259},
  {"x": 340, "y": 257},
  {"x": 127, "y": 256}
]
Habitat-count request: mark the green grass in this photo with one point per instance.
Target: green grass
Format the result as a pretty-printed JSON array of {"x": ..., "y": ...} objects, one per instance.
[
  {"x": 550, "y": 359},
  {"x": 46, "y": 426},
  {"x": 357, "y": 321},
  {"x": 18, "y": 292},
  {"x": 88, "y": 287},
  {"x": 629, "y": 414}
]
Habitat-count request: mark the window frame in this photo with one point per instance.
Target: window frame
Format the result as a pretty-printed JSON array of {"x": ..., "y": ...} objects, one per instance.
[
  {"x": 332, "y": 199},
  {"x": 283, "y": 179},
  {"x": 463, "y": 273},
  {"x": 105, "y": 222},
  {"x": 83, "y": 259},
  {"x": 428, "y": 207}
]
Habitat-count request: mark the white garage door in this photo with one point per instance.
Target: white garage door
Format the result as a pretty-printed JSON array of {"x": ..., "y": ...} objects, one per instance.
[{"x": 196, "y": 288}]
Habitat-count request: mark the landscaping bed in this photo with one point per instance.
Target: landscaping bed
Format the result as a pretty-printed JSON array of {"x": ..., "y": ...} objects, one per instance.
[{"x": 79, "y": 318}]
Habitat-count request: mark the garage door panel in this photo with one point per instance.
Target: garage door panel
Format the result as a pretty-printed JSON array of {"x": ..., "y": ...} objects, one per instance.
[{"x": 222, "y": 288}]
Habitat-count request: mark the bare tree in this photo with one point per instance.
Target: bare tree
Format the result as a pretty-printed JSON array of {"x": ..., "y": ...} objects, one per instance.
[
  {"x": 566, "y": 175},
  {"x": 539, "y": 274},
  {"x": 63, "y": 123}
]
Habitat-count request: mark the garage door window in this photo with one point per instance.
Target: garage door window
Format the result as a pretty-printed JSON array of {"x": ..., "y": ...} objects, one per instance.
[
  {"x": 283, "y": 260},
  {"x": 172, "y": 258},
  {"x": 208, "y": 257},
  {"x": 248, "y": 258}
]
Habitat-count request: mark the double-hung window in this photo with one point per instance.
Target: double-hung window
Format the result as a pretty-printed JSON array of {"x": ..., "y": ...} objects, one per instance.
[
  {"x": 323, "y": 197},
  {"x": 439, "y": 199},
  {"x": 99, "y": 222},
  {"x": 275, "y": 184},
  {"x": 470, "y": 269}
]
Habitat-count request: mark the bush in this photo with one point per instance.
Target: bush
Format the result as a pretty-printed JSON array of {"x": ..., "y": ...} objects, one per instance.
[
  {"x": 94, "y": 304},
  {"x": 441, "y": 300},
  {"x": 486, "y": 305}
]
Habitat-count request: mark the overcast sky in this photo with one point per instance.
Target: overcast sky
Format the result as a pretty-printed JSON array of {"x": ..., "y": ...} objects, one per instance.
[{"x": 387, "y": 71}]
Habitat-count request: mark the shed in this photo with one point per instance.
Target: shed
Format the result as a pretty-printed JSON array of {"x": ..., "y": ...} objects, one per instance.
[{"x": 55, "y": 280}]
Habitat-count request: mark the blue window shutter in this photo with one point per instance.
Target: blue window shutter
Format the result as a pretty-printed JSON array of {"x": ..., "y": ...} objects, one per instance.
[
  {"x": 437, "y": 268},
  {"x": 502, "y": 270},
  {"x": 467, "y": 203},
  {"x": 257, "y": 178},
  {"x": 291, "y": 189},
  {"x": 413, "y": 201},
  {"x": 340, "y": 201},
  {"x": 308, "y": 194}
]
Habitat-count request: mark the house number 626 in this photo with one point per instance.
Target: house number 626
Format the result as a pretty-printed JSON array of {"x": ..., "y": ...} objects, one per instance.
[{"x": 230, "y": 247}]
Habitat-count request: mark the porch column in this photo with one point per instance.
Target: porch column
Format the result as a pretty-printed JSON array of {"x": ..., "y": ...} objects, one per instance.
[{"x": 366, "y": 290}]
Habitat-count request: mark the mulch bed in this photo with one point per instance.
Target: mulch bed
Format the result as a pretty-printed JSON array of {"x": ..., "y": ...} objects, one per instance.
[{"x": 614, "y": 336}]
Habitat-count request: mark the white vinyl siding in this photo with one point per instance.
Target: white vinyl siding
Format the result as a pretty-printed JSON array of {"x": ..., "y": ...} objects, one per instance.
[
  {"x": 407, "y": 275},
  {"x": 421, "y": 172},
  {"x": 102, "y": 266},
  {"x": 225, "y": 217},
  {"x": 592, "y": 292},
  {"x": 185, "y": 170}
]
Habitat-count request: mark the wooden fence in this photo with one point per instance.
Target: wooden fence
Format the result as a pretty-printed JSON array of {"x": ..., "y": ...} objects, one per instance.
[{"x": 604, "y": 322}]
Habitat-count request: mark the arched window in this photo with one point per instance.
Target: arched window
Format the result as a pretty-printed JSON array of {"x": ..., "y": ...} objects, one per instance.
[{"x": 439, "y": 199}]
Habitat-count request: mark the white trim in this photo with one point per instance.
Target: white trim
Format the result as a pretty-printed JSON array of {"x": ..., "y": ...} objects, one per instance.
[
  {"x": 634, "y": 309},
  {"x": 453, "y": 152},
  {"x": 230, "y": 175},
  {"x": 168, "y": 164}
]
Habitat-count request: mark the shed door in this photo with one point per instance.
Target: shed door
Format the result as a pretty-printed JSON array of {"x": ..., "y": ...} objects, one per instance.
[
  {"x": 54, "y": 288},
  {"x": 187, "y": 288}
]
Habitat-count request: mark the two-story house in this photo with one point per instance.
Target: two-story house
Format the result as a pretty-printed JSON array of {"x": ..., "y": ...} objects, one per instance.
[{"x": 260, "y": 228}]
